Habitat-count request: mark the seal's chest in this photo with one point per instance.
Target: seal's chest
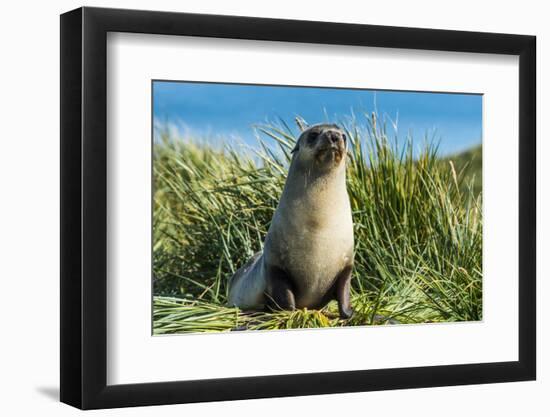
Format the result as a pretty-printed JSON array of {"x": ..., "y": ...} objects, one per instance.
[{"x": 315, "y": 258}]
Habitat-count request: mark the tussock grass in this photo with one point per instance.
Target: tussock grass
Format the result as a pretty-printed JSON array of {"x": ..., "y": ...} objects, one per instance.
[{"x": 418, "y": 231}]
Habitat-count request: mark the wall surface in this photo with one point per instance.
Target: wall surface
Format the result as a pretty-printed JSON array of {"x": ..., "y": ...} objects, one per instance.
[{"x": 29, "y": 178}]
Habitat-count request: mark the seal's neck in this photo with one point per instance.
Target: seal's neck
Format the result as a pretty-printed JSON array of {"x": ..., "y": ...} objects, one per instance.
[{"x": 317, "y": 190}]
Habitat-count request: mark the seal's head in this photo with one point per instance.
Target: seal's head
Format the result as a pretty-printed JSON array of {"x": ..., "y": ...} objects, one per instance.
[{"x": 323, "y": 146}]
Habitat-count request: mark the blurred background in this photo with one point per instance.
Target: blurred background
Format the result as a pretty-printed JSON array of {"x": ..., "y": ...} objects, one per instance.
[{"x": 220, "y": 112}]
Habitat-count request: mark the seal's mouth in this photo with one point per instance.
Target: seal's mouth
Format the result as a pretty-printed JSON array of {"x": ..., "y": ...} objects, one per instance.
[{"x": 330, "y": 153}]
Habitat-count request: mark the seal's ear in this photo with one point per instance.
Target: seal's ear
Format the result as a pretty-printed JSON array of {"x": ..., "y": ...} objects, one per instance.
[{"x": 296, "y": 148}]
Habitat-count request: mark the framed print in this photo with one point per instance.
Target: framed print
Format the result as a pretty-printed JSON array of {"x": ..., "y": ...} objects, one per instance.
[{"x": 257, "y": 208}]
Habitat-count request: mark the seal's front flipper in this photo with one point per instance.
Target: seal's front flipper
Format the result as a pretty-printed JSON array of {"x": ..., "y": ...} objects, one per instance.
[
  {"x": 343, "y": 293},
  {"x": 281, "y": 292}
]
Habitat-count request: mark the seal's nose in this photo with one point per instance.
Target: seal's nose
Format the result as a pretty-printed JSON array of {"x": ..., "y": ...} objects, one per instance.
[{"x": 334, "y": 136}]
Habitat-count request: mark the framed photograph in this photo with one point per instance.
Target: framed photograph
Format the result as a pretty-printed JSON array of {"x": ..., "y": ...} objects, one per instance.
[{"x": 257, "y": 208}]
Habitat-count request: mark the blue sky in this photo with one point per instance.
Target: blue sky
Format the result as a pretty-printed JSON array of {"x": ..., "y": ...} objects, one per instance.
[{"x": 225, "y": 111}]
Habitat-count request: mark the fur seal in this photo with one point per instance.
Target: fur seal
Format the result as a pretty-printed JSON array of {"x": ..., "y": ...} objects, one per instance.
[{"x": 308, "y": 252}]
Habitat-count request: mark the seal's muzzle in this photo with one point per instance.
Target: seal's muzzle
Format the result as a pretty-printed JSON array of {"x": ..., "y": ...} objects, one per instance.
[{"x": 331, "y": 146}]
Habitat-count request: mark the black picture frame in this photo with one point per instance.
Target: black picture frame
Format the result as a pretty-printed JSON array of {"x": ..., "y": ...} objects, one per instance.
[{"x": 84, "y": 207}]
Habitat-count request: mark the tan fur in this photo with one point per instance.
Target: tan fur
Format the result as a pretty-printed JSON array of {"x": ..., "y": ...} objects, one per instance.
[{"x": 311, "y": 233}]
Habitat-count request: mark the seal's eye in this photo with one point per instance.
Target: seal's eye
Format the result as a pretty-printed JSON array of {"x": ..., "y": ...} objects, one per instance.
[
  {"x": 344, "y": 137},
  {"x": 312, "y": 136}
]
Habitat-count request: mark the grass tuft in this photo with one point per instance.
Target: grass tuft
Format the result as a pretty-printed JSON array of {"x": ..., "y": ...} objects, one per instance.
[{"x": 418, "y": 230}]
